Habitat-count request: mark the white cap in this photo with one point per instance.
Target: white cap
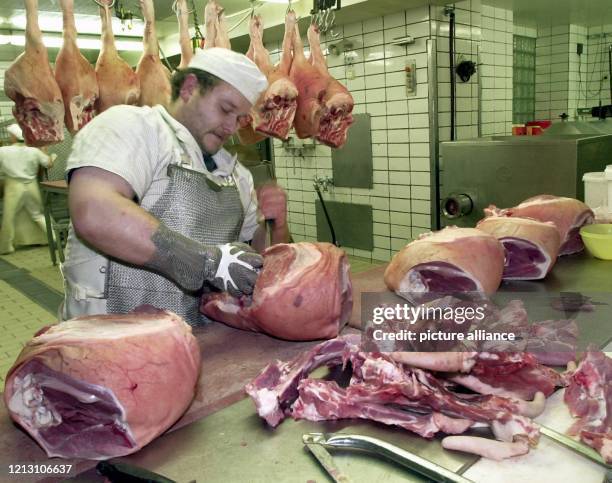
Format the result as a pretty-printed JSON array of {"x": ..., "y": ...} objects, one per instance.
[
  {"x": 236, "y": 69},
  {"x": 15, "y": 130}
]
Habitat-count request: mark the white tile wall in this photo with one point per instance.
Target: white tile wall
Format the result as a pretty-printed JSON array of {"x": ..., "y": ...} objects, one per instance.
[
  {"x": 594, "y": 67},
  {"x": 399, "y": 129}
]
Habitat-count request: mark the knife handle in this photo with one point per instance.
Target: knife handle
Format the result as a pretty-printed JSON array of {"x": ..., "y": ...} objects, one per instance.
[{"x": 411, "y": 461}]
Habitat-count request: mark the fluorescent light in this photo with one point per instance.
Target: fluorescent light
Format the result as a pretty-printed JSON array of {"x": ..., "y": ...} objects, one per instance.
[
  {"x": 83, "y": 43},
  {"x": 280, "y": 1},
  {"x": 85, "y": 24}
]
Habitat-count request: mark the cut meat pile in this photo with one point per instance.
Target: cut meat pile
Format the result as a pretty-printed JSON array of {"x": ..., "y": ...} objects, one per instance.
[
  {"x": 520, "y": 243},
  {"x": 98, "y": 387},
  {"x": 382, "y": 389},
  {"x": 589, "y": 398},
  {"x": 303, "y": 293}
]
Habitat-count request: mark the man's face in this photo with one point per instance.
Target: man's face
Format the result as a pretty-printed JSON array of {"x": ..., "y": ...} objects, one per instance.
[{"x": 212, "y": 117}]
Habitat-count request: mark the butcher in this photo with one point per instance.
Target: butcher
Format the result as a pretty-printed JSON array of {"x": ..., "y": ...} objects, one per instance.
[
  {"x": 160, "y": 211},
  {"x": 20, "y": 165}
]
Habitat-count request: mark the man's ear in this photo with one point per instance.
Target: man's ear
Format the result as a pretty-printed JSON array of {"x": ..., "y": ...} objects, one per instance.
[{"x": 189, "y": 87}]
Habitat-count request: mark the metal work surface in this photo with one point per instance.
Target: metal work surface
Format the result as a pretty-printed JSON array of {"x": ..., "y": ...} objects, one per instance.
[
  {"x": 224, "y": 440},
  {"x": 236, "y": 445}
]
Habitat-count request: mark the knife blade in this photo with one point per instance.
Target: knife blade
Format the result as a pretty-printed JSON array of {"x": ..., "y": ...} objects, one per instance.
[
  {"x": 576, "y": 446},
  {"x": 325, "y": 459},
  {"x": 269, "y": 230}
]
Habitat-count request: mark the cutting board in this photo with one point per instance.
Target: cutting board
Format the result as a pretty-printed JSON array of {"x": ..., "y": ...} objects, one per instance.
[{"x": 549, "y": 462}]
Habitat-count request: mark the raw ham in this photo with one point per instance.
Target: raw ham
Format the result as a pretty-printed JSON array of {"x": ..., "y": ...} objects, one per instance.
[
  {"x": 182, "y": 15},
  {"x": 102, "y": 386},
  {"x": 589, "y": 397},
  {"x": 337, "y": 103},
  {"x": 303, "y": 293},
  {"x": 531, "y": 246},
  {"x": 154, "y": 76},
  {"x": 567, "y": 214},
  {"x": 311, "y": 85},
  {"x": 30, "y": 83},
  {"x": 117, "y": 81},
  {"x": 274, "y": 112},
  {"x": 75, "y": 76},
  {"x": 450, "y": 260},
  {"x": 246, "y": 131}
]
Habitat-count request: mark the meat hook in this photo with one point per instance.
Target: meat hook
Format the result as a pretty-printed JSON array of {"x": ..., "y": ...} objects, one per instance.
[{"x": 104, "y": 4}]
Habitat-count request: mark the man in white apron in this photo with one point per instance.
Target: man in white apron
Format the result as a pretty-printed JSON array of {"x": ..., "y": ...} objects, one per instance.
[
  {"x": 157, "y": 205},
  {"x": 20, "y": 164}
]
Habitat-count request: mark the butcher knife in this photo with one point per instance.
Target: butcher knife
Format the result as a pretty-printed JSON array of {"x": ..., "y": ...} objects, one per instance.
[
  {"x": 116, "y": 472},
  {"x": 269, "y": 230},
  {"x": 375, "y": 446},
  {"x": 326, "y": 460},
  {"x": 576, "y": 446}
]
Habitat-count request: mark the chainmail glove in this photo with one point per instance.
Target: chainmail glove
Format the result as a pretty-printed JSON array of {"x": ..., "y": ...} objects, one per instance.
[{"x": 232, "y": 267}]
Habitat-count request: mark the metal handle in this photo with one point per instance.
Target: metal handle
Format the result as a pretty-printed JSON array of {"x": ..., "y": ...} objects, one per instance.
[{"x": 376, "y": 446}]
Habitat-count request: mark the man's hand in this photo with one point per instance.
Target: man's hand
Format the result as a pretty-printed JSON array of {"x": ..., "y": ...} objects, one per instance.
[
  {"x": 272, "y": 201},
  {"x": 234, "y": 268},
  {"x": 231, "y": 267}
]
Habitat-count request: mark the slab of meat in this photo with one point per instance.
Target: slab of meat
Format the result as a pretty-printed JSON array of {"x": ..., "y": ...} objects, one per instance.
[
  {"x": 29, "y": 82},
  {"x": 567, "y": 214},
  {"x": 117, "y": 81},
  {"x": 75, "y": 76},
  {"x": 450, "y": 260},
  {"x": 589, "y": 397},
  {"x": 303, "y": 293},
  {"x": 154, "y": 76},
  {"x": 182, "y": 15},
  {"x": 103, "y": 386},
  {"x": 337, "y": 102},
  {"x": 275, "y": 389},
  {"x": 517, "y": 375},
  {"x": 531, "y": 246},
  {"x": 275, "y": 110}
]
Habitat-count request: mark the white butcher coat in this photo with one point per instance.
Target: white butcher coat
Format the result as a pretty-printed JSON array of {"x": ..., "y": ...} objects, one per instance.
[{"x": 20, "y": 164}]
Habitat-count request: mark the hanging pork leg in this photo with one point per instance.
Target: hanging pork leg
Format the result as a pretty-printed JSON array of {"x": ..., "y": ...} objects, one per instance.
[
  {"x": 29, "y": 82},
  {"x": 75, "y": 76},
  {"x": 117, "y": 81}
]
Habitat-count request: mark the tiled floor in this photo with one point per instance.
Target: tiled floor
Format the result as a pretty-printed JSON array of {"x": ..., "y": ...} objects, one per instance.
[{"x": 31, "y": 289}]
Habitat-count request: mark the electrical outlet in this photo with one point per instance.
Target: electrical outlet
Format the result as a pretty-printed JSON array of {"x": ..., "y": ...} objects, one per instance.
[
  {"x": 410, "y": 71},
  {"x": 579, "y": 48}
]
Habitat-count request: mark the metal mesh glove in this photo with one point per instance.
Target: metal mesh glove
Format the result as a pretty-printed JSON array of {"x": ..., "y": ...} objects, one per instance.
[{"x": 231, "y": 267}]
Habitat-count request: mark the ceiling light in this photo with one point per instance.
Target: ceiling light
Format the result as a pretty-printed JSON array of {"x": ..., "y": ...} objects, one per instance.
[
  {"x": 83, "y": 43},
  {"x": 280, "y": 1},
  {"x": 85, "y": 24}
]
